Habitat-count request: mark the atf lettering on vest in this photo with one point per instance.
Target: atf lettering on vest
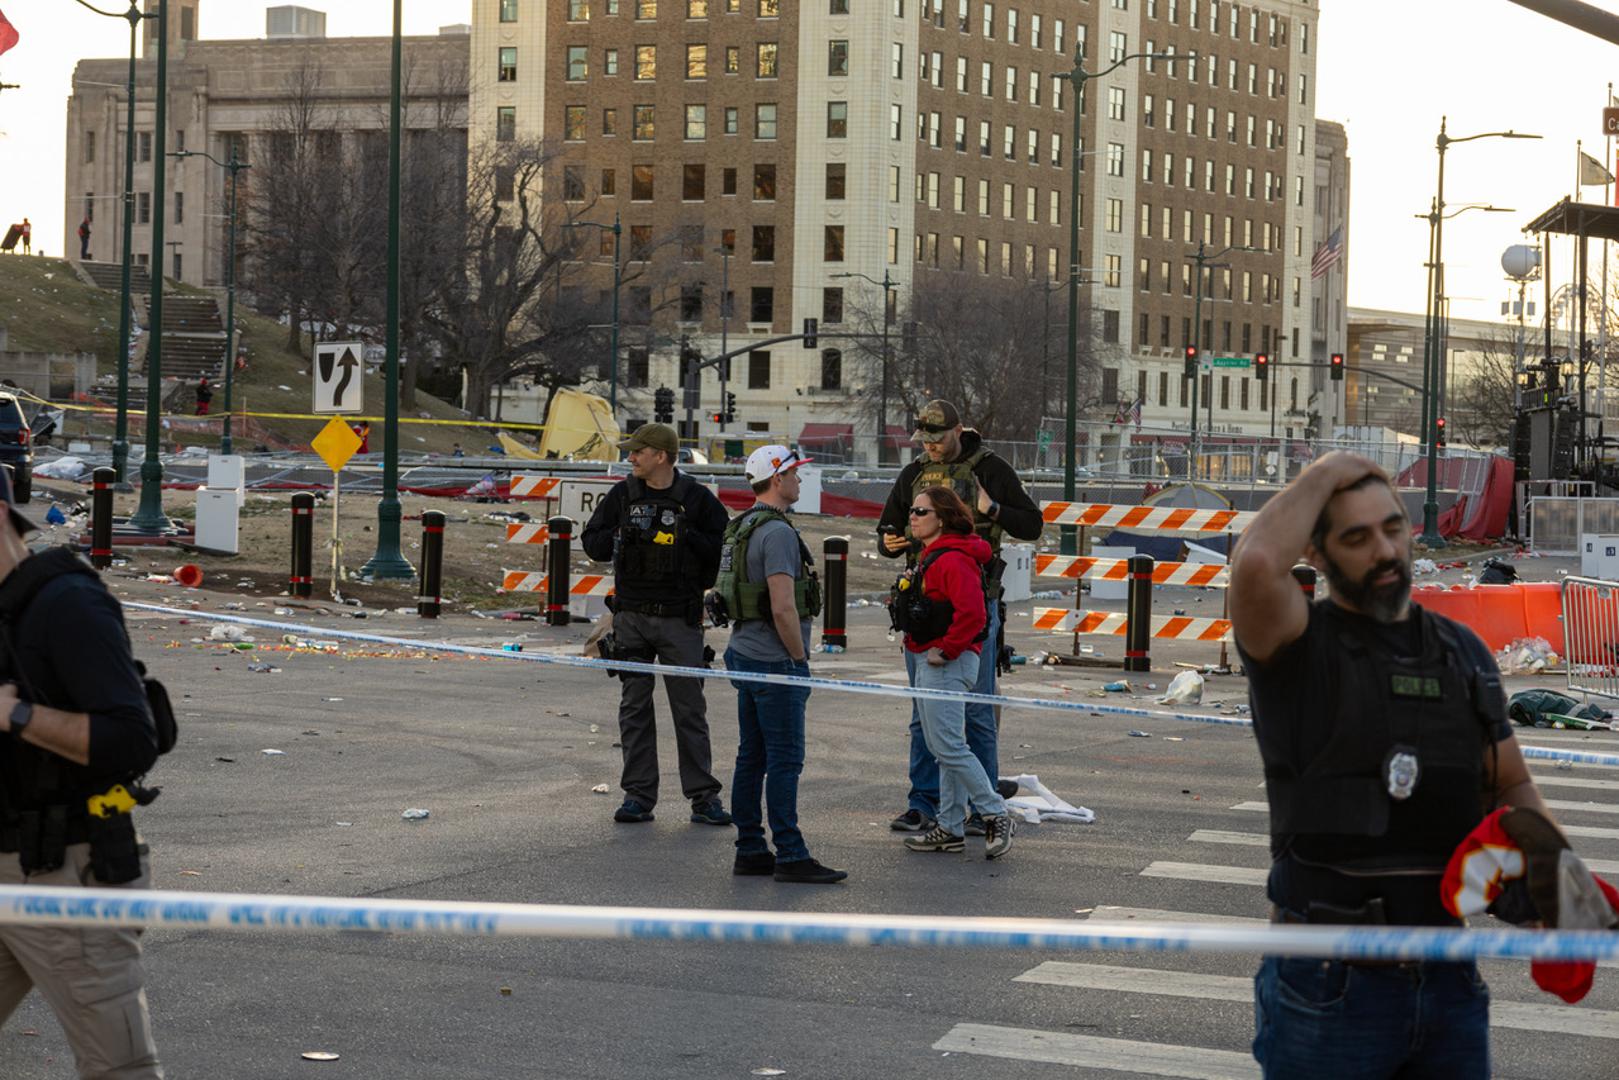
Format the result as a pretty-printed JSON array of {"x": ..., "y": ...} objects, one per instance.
[
  {"x": 925, "y": 618},
  {"x": 650, "y": 546},
  {"x": 739, "y": 599},
  {"x": 1359, "y": 803},
  {"x": 960, "y": 478}
]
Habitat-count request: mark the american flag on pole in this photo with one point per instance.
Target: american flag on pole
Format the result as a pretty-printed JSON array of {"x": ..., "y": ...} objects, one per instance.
[
  {"x": 1135, "y": 411},
  {"x": 1328, "y": 254}
]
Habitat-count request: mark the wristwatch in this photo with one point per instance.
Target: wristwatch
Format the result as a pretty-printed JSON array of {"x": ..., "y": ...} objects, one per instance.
[{"x": 21, "y": 713}]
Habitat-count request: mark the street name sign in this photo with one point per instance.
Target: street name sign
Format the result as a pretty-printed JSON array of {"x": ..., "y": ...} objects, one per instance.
[{"x": 1232, "y": 361}]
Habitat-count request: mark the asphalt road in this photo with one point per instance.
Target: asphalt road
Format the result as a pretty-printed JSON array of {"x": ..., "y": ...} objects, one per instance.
[{"x": 504, "y": 756}]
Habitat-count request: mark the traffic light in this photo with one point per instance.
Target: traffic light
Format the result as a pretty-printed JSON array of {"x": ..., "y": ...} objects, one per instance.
[
  {"x": 663, "y": 405},
  {"x": 1439, "y": 431},
  {"x": 730, "y": 407},
  {"x": 1261, "y": 367},
  {"x": 691, "y": 373},
  {"x": 1337, "y": 367},
  {"x": 811, "y": 328},
  {"x": 1191, "y": 361}
]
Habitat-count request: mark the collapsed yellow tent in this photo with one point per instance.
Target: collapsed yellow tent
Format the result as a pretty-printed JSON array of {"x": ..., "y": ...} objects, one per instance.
[{"x": 579, "y": 426}]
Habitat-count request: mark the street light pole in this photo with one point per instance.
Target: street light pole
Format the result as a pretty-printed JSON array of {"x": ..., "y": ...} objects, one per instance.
[
  {"x": 388, "y": 562},
  {"x": 887, "y": 284},
  {"x": 149, "y": 517},
  {"x": 1078, "y": 76},
  {"x": 1431, "y": 344},
  {"x": 234, "y": 166},
  {"x": 725, "y": 329},
  {"x": 1205, "y": 262},
  {"x": 120, "y": 437}
]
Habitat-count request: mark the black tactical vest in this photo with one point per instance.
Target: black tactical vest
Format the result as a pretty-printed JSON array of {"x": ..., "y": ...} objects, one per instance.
[
  {"x": 652, "y": 559},
  {"x": 1335, "y": 809}
]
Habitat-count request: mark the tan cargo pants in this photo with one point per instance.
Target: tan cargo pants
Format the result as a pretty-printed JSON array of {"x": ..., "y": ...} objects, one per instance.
[{"x": 91, "y": 978}]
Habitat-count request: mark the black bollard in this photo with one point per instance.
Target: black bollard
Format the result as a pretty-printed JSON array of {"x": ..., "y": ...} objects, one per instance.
[
  {"x": 427, "y": 604},
  {"x": 557, "y": 571},
  {"x": 101, "y": 484},
  {"x": 1304, "y": 574},
  {"x": 1138, "y": 630},
  {"x": 301, "y": 582},
  {"x": 834, "y": 613}
]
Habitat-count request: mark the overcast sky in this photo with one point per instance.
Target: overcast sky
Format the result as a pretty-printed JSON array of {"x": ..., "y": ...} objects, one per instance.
[{"x": 1388, "y": 70}]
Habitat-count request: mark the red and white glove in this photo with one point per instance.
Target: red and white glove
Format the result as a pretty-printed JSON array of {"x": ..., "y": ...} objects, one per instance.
[{"x": 1517, "y": 866}]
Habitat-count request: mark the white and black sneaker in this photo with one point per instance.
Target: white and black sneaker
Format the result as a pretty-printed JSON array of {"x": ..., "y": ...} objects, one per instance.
[
  {"x": 936, "y": 839},
  {"x": 912, "y": 821},
  {"x": 998, "y": 829}
]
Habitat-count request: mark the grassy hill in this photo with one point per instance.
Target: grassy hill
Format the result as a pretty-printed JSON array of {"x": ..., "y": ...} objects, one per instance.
[{"x": 46, "y": 308}]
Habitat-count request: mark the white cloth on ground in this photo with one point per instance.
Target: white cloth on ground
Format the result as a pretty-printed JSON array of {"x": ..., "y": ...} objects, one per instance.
[{"x": 1035, "y": 804}]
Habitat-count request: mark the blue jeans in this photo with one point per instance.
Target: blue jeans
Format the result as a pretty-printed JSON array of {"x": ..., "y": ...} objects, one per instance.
[
  {"x": 981, "y": 730},
  {"x": 769, "y": 757},
  {"x": 1315, "y": 1018},
  {"x": 961, "y": 777}
]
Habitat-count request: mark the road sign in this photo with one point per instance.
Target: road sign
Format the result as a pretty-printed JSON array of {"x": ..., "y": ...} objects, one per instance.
[
  {"x": 580, "y": 497},
  {"x": 1231, "y": 361},
  {"x": 336, "y": 443},
  {"x": 1610, "y": 121},
  {"x": 338, "y": 371}
]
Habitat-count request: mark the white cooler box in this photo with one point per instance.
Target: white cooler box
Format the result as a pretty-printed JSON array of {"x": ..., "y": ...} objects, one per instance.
[
  {"x": 218, "y": 515},
  {"x": 1599, "y": 556}
]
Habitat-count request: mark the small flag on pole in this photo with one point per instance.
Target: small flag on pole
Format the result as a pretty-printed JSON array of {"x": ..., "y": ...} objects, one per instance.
[
  {"x": 8, "y": 33},
  {"x": 1328, "y": 254},
  {"x": 1592, "y": 174}
]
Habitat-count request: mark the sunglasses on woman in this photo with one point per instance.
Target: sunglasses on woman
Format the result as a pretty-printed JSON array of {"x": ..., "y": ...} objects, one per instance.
[{"x": 921, "y": 511}]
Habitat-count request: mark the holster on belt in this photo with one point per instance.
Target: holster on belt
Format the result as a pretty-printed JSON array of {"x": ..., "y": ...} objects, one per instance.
[{"x": 42, "y": 839}]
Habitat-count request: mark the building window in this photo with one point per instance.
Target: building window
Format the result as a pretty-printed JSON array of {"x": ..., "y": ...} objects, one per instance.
[
  {"x": 837, "y": 119},
  {"x": 179, "y": 207},
  {"x": 609, "y": 182},
  {"x": 759, "y": 361},
  {"x": 609, "y": 121},
  {"x": 893, "y": 246},
  {"x": 646, "y": 9},
  {"x": 696, "y": 9},
  {"x": 731, "y": 120},
  {"x": 573, "y": 183},
  {"x": 645, "y": 122},
  {"x": 832, "y": 366},
  {"x": 1115, "y": 103},
  {"x": 508, "y": 10},
  {"x": 642, "y": 182},
  {"x": 1117, "y": 46},
  {"x": 578, "y": 11},
  {"x": 764, "y": 183},
  {"x": 733, "y": 60},
  {"x": 143, "y": 208},
  {"x": 144, "y": 152},
  {"x": 769, "y": 9},
  {"x": 640, "y": 243},
  {"x": 764, "y": 120},
  {"x": 832, "y": 306},
  {"x": 610, "y": 62},
  {"x": 728, "y": 187},
  {"x": 764, "y": 244},
  {"x": 836, "y": 181},
  {"x": 506, "y": 122},
  {"x": 691, "y": 303},
  {"x": 693, "y": 182},
  {"x": 834, "y": 244},
  {"x": 1115, "y": 159},
  {"x": 762, "y": 309},
  {"x": 577, "y": 66},
  {"x": 765, "y": 59},
  {"x": 696, "y": 61},
  {"x": 837, "y": 57},
  {"x": 646, "y": 62},
  {"x": 696, "y": 121}
]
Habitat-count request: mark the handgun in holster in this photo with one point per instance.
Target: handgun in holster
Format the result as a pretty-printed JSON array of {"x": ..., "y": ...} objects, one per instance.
[{"x": 115, "y": 855}]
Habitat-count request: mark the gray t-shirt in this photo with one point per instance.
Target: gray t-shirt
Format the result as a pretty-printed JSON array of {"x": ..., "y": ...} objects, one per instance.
[{"x": 772, "y": 549}]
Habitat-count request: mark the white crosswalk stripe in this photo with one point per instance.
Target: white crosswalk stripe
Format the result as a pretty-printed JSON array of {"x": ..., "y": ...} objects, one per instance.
[
  {"x": 1593, "y": 831},
  {"x": 1091, "y": 1052}
]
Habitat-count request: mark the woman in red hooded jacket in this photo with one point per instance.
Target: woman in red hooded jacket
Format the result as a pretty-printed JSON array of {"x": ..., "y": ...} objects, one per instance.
[{"x": 944, "y": 619}]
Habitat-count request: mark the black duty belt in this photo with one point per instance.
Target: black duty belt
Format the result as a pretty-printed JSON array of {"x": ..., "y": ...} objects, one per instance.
[{"x": 680, "y": 610}]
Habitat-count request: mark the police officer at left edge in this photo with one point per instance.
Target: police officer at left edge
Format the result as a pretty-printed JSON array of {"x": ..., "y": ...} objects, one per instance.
[{"x": 661, "y": 530}]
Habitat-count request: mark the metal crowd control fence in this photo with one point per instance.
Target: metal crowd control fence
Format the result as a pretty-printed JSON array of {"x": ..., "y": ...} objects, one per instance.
[{"x": 1591, "y": 636}]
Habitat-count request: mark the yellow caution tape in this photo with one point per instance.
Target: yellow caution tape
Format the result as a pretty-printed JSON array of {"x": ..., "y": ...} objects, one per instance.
[{"x": 109, "y": 409}]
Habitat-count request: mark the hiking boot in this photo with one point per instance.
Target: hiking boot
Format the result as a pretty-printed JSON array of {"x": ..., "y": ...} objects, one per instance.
[
  {"x": 808, "y": 872},
  {"x": 998, "y": 830},
  {"x": 975, "y": 824},
  {"x": 709, "y": 812},
  {"x": 632, "y": 811},
  {"x": 936, "y": 839},
  {"x": 758, "y": 864},
  {"x": 912, "y": 821}
]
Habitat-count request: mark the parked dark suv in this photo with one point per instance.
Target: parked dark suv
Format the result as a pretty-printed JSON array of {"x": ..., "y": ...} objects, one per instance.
[{"x": 17, "y": 447}]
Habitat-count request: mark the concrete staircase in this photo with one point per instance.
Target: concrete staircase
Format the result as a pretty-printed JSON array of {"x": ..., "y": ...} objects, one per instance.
[
  {"x": 110, "y": 276},
  {"x": 193, "y": 337}
]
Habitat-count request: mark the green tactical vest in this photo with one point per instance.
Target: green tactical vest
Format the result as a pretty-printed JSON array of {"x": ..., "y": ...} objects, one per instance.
[
  {"x": 960, "y": 478},
  {"x": 744, "y": 599}
]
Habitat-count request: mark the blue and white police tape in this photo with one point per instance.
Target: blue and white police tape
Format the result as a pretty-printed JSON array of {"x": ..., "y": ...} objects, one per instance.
[
  {"x": 850, "y": 686},
  {"x": 21, "y": 904}
]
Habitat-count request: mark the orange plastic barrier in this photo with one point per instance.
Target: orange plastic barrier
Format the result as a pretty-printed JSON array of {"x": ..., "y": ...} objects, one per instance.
[{"x": 1501, "y": 614}]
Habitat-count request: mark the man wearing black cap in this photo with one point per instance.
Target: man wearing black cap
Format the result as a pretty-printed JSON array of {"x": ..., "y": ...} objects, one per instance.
[
  {"x": 661, "y": 530},
  {"x": 76, "y": 733},
  {"x": 955, "y": 456}
]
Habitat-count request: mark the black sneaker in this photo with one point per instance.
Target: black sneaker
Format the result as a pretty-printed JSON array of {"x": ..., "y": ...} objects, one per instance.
[
  {"x": 758, "y": 864},
  {"x": 975, "y": 824},
  {"x": 808, "y": 872},
  {"x": 998, "y": 829},
  {"x": 710, "y": 812},
  {"x": 911, "y": 821},
  {"x": 631, "y": 812},
  {"x": 936, "y": 839}
]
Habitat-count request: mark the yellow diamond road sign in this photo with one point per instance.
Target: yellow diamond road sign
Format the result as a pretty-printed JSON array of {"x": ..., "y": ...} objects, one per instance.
[{"x": 336, "y": 443}]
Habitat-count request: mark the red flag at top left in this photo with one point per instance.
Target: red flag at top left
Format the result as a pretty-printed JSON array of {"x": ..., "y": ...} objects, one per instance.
[{"x": 8, "y": 33}]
